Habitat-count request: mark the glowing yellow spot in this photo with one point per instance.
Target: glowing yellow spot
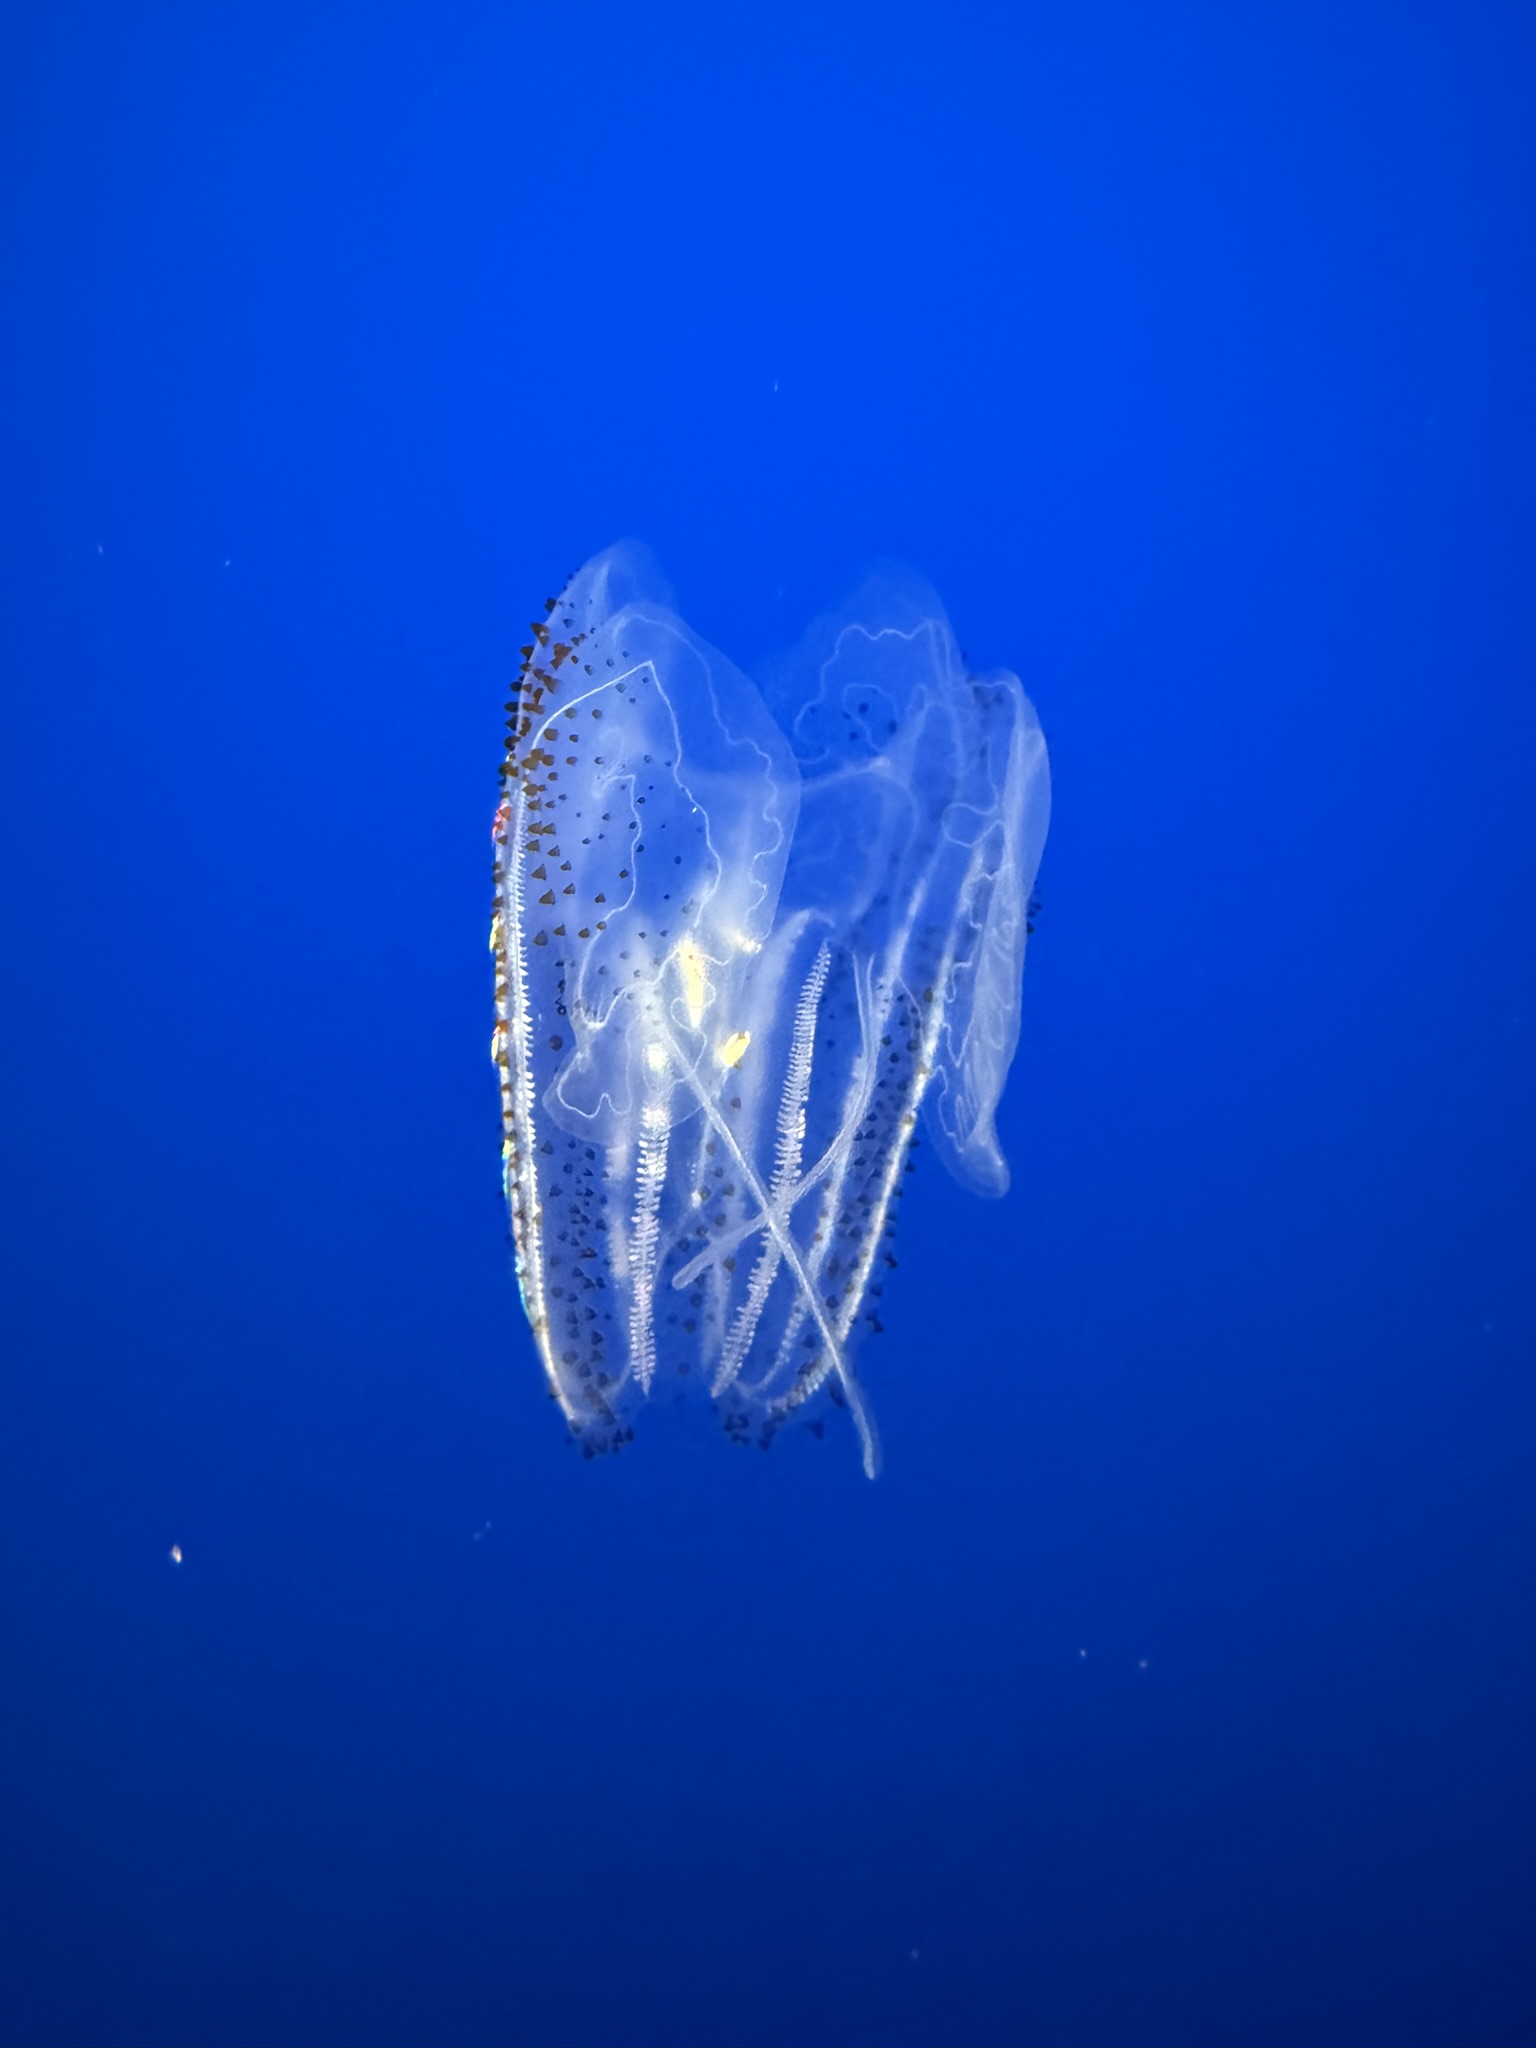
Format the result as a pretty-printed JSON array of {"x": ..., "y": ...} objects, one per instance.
[
  {"x": 656, "y": 1058},
  {"x": 729, "y": 1051},
  {"x": 691, "y": 965}
]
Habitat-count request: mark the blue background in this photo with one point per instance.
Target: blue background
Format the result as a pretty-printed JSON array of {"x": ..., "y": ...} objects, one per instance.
[{"x": 1175, "y": 1683}]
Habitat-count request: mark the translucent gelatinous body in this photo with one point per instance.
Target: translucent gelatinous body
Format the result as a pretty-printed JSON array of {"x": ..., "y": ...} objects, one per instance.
[{"x": 742, "y": 936}]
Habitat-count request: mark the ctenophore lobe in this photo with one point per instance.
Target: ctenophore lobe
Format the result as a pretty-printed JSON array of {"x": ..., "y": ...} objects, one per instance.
[{"x": 744, "y": 935}]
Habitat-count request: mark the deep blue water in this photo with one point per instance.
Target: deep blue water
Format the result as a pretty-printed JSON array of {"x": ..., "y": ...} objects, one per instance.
[{"x": 1175, "y": 1682}]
